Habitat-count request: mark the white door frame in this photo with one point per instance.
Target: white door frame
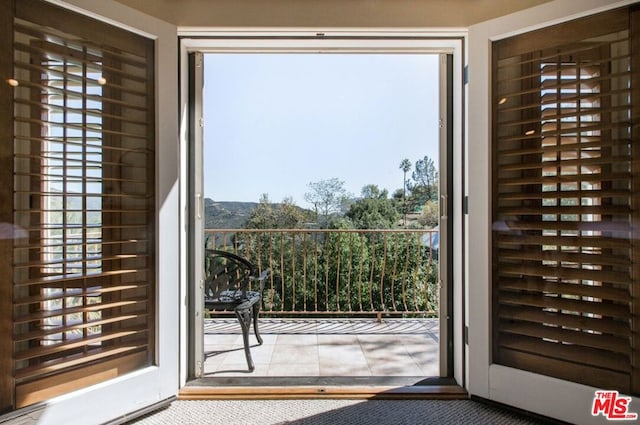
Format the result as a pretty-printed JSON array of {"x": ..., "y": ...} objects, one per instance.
[
  {"x": 552, "y": 397},
  {"x": 449, "y": 41}
]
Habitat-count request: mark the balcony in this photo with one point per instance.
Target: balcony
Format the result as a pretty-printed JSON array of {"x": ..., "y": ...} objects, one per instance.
[{"x": 338, "y": 303}]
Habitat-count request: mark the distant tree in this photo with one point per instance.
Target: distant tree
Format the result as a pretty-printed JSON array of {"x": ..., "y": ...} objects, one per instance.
[
  {"x": 372, "y": 191},
  {"x": 374, "y": 210},
  {"x": 289, "y": 215},
  {"x": 405, "y": 166},
  {"x": 267, "y": 215},
  {"x": 425, "y": 182},
  {"x": 327, "y": 197},
  {"x": 398, "y": 195},
  {"x": 430, "y": 215},
  {"x": 263, "y": 216}
]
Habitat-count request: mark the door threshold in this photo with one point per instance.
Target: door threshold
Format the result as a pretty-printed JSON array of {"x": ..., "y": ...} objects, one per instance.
[{"x": 318, "y": 388}]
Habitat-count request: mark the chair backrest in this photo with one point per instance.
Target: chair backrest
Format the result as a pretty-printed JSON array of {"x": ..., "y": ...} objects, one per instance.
[{"x": 225, "y": 271}]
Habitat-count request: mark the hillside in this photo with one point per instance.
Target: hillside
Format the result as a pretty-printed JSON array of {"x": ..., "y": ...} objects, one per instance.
[
  {"x": 226, "y": 215},
  {"x": 233, "y": 215}
]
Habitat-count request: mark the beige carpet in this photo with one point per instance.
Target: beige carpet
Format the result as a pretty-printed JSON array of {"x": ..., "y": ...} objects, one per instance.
[{"x": 334, "y": 412}]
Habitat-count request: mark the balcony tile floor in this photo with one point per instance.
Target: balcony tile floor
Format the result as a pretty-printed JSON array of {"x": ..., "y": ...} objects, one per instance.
[{"x": 324, "y": 348}]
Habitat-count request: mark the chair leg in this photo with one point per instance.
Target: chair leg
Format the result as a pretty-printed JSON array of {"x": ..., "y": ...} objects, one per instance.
[
  {"x": 256, "y": 313},
  {"x": 244, "y": 317}
]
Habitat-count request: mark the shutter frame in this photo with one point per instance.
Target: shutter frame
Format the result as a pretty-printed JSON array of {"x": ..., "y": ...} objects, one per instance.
[
  {"x": 81, "y": 311},
  {"x": 565, "y": 190}
]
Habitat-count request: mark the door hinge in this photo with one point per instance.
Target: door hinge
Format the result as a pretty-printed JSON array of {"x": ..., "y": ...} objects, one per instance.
[
  {"x": 466, "y": 335},
  {"x": 201, "y": 122},
  {"x": 465, "y": 204},
  {"x": 465, "y": 75}
]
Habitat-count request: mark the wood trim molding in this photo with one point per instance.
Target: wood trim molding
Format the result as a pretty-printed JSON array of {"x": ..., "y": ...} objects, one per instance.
[{"x": 427, "y": 392}]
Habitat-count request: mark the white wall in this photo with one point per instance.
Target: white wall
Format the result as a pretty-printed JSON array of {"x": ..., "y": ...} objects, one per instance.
[{"x": 559, "y": 399}]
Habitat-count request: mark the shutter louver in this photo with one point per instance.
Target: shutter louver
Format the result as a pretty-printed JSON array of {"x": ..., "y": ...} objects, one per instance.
[
  {"x": 564, "y": 202},
  {"x": 83, "y": 201}
]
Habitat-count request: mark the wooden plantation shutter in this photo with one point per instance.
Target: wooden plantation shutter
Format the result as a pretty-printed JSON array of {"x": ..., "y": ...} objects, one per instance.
[
  {"x": 82, "y": 272},
  {"x": 565, "y": 201}
]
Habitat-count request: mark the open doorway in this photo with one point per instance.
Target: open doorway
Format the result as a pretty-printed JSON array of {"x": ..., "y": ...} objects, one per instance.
[{"x": 355, "y": 252}]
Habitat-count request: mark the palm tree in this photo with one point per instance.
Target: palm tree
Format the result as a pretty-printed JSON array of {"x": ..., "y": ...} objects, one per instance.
[{"x": 405, "y": 166}]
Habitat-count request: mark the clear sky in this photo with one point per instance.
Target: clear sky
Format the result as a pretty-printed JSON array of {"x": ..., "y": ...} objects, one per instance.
[{"x": 275, "y": 122}]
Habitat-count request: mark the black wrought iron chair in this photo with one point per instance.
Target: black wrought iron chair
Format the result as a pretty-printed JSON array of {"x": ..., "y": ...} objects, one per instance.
[{"x": 231, "y": 285}]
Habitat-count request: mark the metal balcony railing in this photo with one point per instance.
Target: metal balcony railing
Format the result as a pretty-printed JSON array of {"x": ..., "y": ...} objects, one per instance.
[{"x": 340, "y": 272}]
